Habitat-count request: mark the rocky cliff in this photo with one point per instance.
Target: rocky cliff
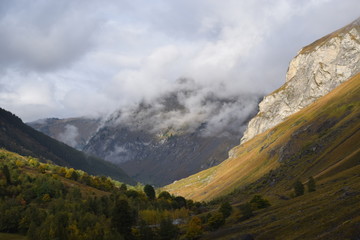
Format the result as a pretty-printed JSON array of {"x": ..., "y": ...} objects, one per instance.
[{"x": 315, "y": 71}]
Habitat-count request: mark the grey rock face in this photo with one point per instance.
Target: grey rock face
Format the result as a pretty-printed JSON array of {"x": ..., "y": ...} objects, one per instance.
[{"x": 313, "y": 73}]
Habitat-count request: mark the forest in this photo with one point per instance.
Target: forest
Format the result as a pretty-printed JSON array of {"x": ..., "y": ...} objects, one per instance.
[{"x": 45, "y": 201}]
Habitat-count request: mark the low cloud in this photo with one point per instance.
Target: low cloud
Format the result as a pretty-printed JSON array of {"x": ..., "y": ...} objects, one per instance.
[
  {"x": 69, "y": 136},
  {"x": 189, "y": 107},
  {"x": 67, "y": 58}
]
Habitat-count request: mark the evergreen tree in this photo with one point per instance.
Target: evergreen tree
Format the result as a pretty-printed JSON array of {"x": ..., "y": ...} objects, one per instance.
[
  {"x": 122, "y": 218},
  {"x": 311, "y": 185},
  {"x": 298, "y": 188},
  {"x": 149, "y": 191}
]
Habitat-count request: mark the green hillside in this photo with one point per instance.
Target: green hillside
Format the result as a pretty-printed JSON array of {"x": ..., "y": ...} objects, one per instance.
[
  {"x": 20, "y": 138},
  {"x": 44, "y": 201}
]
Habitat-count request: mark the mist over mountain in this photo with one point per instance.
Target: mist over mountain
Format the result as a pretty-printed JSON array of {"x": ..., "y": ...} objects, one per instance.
[
  {"x": 175, "y": 134},
  {"x": 188, "y": 108}
]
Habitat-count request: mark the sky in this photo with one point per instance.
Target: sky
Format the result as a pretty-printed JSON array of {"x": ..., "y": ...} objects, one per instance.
[{"x": 69, "y": 58}]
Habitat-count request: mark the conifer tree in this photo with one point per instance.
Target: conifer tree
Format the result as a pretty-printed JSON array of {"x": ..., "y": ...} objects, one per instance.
[{"x": 149, "y": 191}]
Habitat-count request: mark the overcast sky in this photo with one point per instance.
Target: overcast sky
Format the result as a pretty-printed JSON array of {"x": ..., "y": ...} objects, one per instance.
[{"x": 66, "y": 58}]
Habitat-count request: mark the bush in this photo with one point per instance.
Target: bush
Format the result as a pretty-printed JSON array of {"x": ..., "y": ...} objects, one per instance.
[
  {"x": 168, "y": 230},
  {"x": 246, "y": 211},
  {"x": 225, "y": 209},
  {"x": 216, "y": 221},
  {"x": 165, "y": 195},
  {"x": 257, "y": 202},
  {"x": 194, "y": 229},
  {"x": 311, "y": 185},
  {"x": 298, "y": 188}
]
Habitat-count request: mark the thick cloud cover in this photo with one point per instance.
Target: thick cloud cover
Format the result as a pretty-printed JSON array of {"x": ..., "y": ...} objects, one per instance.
[{"x": 76, "y": 57}]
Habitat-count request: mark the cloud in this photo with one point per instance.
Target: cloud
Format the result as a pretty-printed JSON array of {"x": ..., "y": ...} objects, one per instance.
[
  {"x": 43, "y": 35},
  {"x": 69, "y": 135},
  {"x": 67, "y": 58}
]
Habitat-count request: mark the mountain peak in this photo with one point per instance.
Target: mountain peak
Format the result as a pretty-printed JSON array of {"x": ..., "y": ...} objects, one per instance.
[{"x": 315, "y": 71}]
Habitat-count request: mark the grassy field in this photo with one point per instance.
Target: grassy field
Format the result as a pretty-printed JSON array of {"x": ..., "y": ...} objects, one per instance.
[{"x": 331, "y": 212}]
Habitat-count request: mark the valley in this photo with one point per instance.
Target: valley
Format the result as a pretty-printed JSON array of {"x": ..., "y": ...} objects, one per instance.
[{"x": 208, "y": 157}]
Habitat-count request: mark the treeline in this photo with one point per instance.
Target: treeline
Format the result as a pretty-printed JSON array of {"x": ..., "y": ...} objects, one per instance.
[
  {"x": 45, "y": 201},
  {"x": 21, "y": 138}
]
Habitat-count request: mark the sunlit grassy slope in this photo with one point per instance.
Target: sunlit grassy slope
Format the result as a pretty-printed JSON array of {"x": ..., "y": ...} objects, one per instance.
[
  {"x": 332, "y": 212},
  {"x": 320, "y": 140}
]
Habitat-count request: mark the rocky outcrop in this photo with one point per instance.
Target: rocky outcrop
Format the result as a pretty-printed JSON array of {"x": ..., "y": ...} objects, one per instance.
[{"x": 314, "y": 72}]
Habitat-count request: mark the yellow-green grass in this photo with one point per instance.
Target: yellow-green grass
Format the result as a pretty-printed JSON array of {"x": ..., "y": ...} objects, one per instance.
[
  {"x": 9, "y": 236},
  {"x": 253, "y": 159},
  {"x": 331, "y": 212}
]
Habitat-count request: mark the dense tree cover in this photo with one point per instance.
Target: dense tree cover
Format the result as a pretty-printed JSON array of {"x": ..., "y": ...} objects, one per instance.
[{"x": 44, "y": 201}]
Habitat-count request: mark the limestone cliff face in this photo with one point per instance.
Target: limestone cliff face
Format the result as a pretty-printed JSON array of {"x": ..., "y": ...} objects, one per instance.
[{"x": 314, "y": 72}]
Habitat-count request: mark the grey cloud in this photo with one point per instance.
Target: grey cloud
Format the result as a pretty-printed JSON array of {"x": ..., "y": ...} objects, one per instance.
[
  {"x": 44, "y": 35},
  {"x": 108, "y": 55},
  {"x": 69, "y": 135}
]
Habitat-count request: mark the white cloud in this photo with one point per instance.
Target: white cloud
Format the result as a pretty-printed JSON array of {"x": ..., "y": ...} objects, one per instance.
[{"x": 67, "y": 58}]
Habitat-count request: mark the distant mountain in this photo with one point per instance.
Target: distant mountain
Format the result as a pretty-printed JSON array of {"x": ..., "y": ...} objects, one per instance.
[
  {"x": 321, "y": 140},
  {"x": 161, "y": 140},
  {"x": 18, "y": 137},
  {"x": 75, "y": 132}
]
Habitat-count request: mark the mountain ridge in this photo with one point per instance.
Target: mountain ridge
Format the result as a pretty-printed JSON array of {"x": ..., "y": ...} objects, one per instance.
[
  {"x": 325, "y": 127},
  {"x": 316, "y": 70},
  {"x": 20, "y": 138}
]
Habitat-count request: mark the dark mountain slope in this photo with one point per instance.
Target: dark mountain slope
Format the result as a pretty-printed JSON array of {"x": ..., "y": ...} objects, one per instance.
[
  {"x": 75, "y": 132},
  {"x": 20, "y": 138}
]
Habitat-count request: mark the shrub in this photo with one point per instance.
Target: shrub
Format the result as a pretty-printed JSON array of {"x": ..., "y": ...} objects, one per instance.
[
  {"x": 216, "y": 221},
  {"x": 298, "y": 188},
  {"x": 225, "y": 209},
  {"x": 257, "y": 202},
  {"x": 246, "y": 211},
  {"x": 194, "y": 229},
  {"x": 311, "y": 185}
]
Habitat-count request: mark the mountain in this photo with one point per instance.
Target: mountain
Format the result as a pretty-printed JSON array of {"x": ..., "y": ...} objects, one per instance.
[
  {"x": 18, "y": 137},
  {"x": 320, "y": 140},
  {"x": 315, "y": 71},
  {"x": 75, "y": 132},
  {"x": 172, "y": 136}
]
